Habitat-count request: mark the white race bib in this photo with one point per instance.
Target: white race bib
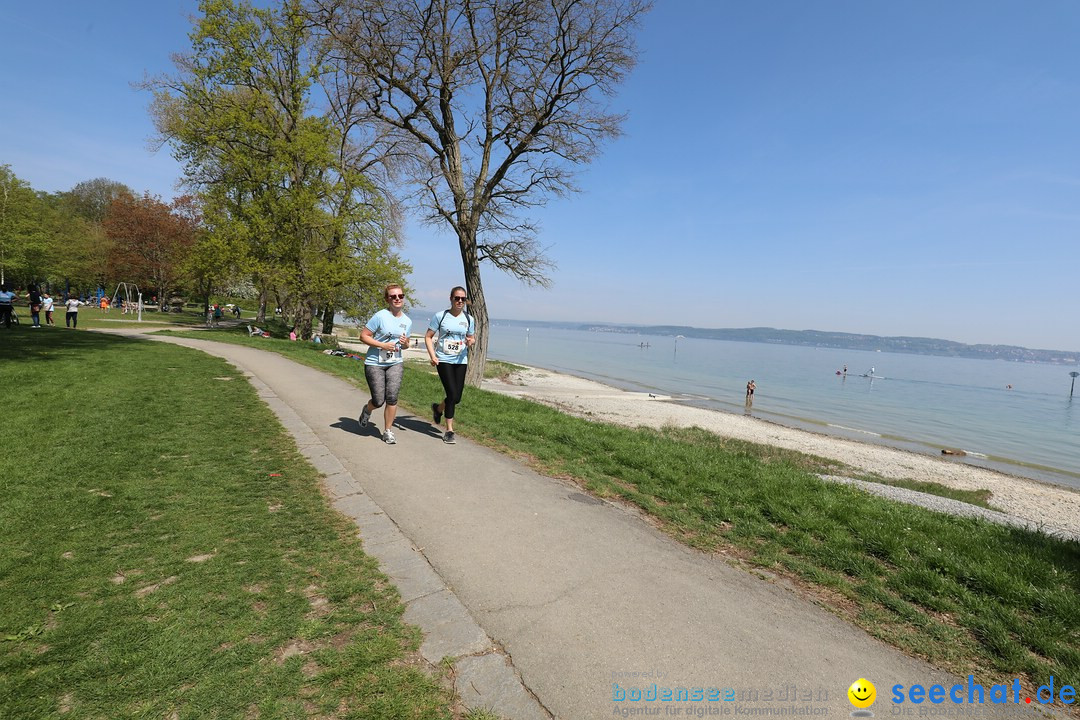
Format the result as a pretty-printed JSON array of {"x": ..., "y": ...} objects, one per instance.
[
  {"x": 389, "y": 355},
  {"x": 452, "y": 346}
]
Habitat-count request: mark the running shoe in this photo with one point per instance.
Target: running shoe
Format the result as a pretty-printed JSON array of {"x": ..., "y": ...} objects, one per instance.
[
  {"x": 365, "y": 415},
  {"x": 435, "y": 413},
  {"x": 388, "y": 437},
  {"x": 448, "y": 438}
]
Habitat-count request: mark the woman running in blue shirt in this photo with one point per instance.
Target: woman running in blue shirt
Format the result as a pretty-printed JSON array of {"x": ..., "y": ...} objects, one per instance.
[{"x": 386, "y": 335}]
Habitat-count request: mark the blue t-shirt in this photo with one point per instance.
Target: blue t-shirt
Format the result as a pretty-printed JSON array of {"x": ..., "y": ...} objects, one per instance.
[
  {"x": 7, "y": 297},
  {"x": 385, "y": 327},
  {"x": 450, "y": 334}
]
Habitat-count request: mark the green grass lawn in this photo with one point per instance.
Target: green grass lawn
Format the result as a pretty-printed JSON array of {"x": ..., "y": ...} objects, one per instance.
[
  {"x": 967, "y": 595},
  {"x": 165, "y": 552},
  {"x": 92, "y": 317}
]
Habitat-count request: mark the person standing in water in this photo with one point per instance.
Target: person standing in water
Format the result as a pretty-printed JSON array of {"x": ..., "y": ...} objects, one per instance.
[{"x": 449, "y": 336}]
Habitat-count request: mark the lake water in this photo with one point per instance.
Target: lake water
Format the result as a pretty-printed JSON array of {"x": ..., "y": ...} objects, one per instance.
[{"x": 921, "y": 402}]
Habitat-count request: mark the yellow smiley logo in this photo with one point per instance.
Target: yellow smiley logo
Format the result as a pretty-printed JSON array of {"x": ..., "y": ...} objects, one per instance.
[{"x": 862, "y": 693}]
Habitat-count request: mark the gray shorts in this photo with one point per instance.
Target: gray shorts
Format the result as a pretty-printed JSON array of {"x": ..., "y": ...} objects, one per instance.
[{"x": 384, "y": 382}]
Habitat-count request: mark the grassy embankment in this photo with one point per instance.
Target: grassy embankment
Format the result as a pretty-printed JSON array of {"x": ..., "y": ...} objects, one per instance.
[
  {"x": 965, "y": 594},
  {"x": 165, "y": 551}
]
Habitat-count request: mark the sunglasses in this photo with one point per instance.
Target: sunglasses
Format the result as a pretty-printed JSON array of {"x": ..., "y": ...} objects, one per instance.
[
  {"x": 459, "y": 298},
  {"x": 395, "y": 297}
]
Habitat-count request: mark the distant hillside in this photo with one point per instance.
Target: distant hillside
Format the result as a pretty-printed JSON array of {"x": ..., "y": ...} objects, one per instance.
[{"x": 845, "y": 341}]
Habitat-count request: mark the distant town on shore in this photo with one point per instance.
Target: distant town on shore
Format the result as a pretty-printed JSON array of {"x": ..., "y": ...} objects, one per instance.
[{"x": 839, "y": 340}]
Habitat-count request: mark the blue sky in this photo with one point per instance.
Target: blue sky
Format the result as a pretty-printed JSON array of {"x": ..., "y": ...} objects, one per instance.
[{"x": 887, "y": 168}]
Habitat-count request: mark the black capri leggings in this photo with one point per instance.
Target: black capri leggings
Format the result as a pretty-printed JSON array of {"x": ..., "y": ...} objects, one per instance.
[{"x": 453, "y": 382}]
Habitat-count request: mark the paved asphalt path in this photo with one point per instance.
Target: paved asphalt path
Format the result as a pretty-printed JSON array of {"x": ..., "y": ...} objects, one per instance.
[{"x": 585, "y": 598}]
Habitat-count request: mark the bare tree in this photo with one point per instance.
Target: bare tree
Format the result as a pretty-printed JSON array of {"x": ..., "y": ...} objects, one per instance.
[{"x": 499, "y": 102}]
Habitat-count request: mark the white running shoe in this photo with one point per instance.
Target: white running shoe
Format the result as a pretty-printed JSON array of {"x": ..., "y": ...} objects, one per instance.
[{"x": 388, "y": 437}]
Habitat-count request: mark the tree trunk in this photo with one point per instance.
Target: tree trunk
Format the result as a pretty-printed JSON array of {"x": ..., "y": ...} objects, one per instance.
[
  {"x": 477, "y": 308},
  {"x": 328, "y": 320},
  {"x": 260, "y": 318},
  {"x": 303, "y": 324}
]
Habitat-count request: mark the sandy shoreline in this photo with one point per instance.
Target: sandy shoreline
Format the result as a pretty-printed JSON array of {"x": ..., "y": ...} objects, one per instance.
[{"x": 1039, "y": 503}]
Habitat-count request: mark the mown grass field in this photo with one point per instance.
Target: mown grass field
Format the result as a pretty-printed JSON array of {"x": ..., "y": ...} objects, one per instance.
[{"x": 166, "y": 553}]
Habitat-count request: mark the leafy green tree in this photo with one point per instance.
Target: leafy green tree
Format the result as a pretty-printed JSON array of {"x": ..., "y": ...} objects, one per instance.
[
  {"x": 78, "y": 247},
  {"x": 276, "y": 189},
  {"x": 211, "y": 264},
  {"x": 90, "y": 199},
  {"x": 362, "y": 296},
  {"x": 23, "y": 237}
]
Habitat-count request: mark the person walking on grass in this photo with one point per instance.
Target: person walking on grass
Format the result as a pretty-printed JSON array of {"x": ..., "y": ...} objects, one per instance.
[
  {"x": 47, "y": 306},
  {"x": 33, "y": 295},
  {"x": 449, "y": 336},
  {"x": 71, "y": 320},
  {"x": 386, "y": 334}
]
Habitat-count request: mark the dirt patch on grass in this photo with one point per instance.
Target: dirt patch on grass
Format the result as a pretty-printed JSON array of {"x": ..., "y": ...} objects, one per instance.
[
  {"x": 292, "y": 649},
  {"x": 144, "y": 591}
]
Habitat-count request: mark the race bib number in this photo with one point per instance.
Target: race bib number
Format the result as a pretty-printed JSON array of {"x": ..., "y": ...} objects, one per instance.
[
  {"x": 389, "y": 355},
  {"x": 452, "y": 346}
]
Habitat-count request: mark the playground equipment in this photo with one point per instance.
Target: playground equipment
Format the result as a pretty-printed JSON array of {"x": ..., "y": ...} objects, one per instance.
[{"x": 131, "y": 296}]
